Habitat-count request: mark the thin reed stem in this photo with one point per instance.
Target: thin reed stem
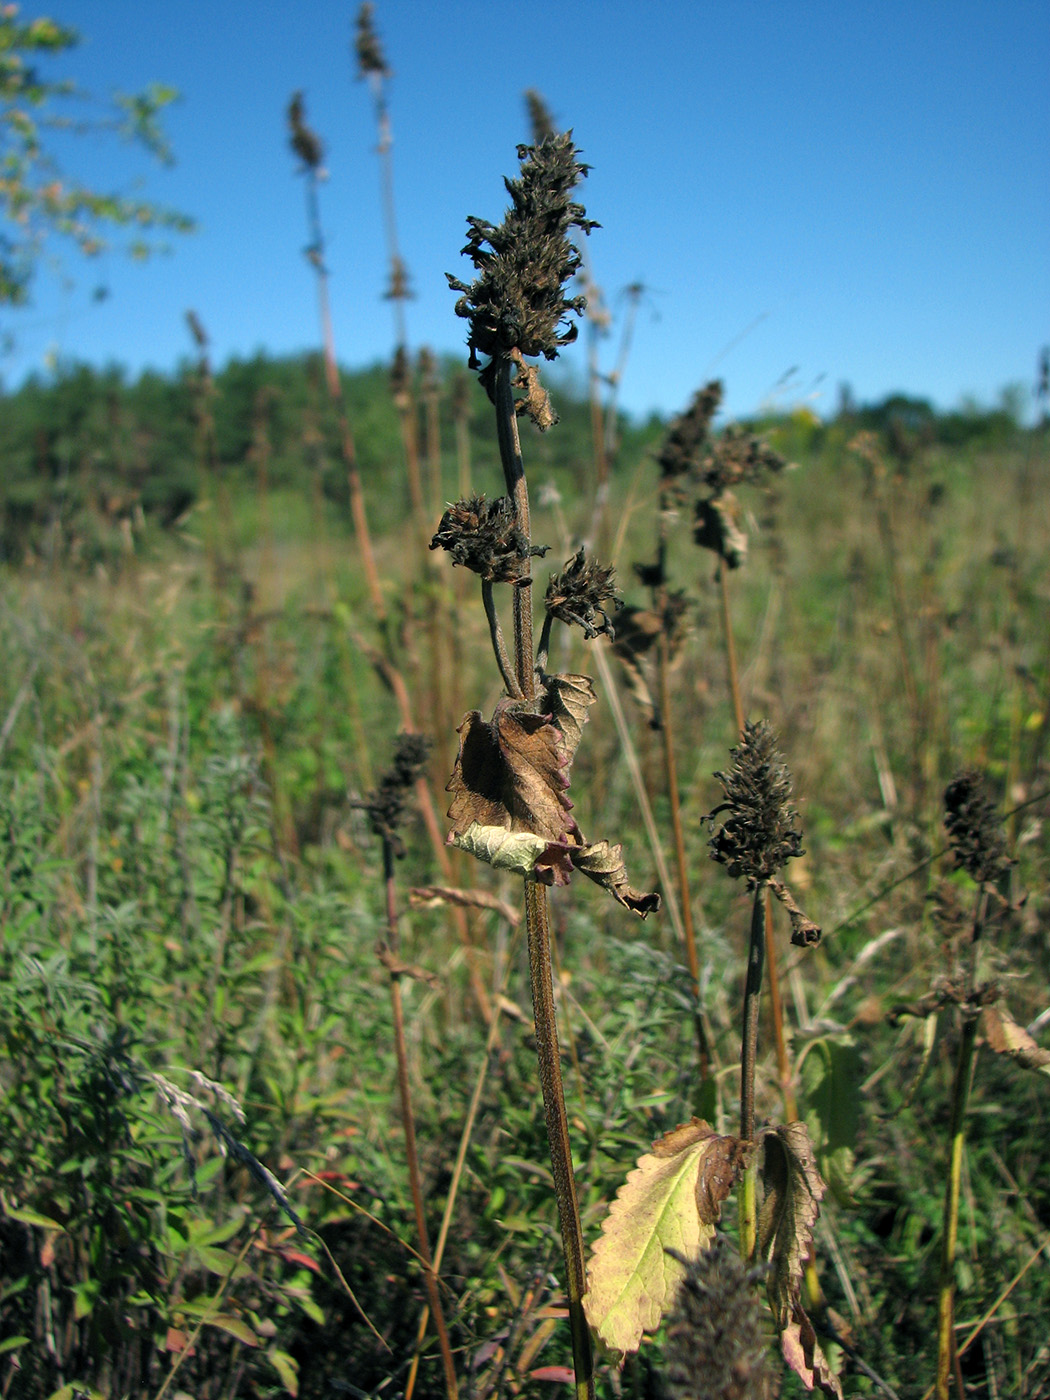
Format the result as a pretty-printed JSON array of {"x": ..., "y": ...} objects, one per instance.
[{"x": 408, "y": 1124}]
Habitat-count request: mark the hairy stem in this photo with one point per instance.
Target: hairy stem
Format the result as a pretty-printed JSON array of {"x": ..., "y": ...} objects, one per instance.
[
  {"x": 538, "y": 932},
  {"x": 950, "y": 1227},
  {"x": 499, "y": 646},
  {"x": 748, "y": 1058}
]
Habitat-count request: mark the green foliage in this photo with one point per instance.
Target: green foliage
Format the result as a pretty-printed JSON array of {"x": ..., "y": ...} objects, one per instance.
[{"x": 37, "y": 200}]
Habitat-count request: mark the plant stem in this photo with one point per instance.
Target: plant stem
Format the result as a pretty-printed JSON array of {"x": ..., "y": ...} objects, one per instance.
[
  {"x": 734, "y": 675},
  {"x": 499, "y": 646},
  {"x": 950, "y": 1227},
  {"x": 538, "y": 931},
  {"x": 748, "y": 1058},
  {"x": 408, "y": 1123}
]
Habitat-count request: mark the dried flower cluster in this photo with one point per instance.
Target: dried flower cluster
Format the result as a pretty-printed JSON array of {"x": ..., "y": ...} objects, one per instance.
[
  {"x": 738, "y": 457},
  {"x": 517, "y": 304},
  {"x": 761, "y": 832},
  {"x": 972, "y": 822},
  {"x": 305, "y": 143},
  {"x": 370, "y": 57},
  {"x": 582, "y": 594},
  {"x": 717, "y": 1348},
  {"x": 485, "y": 537},
  {"x": 680, "y": 452},
  {"x": 539, "y": 116},
  {"x": 385, "y": 806}
]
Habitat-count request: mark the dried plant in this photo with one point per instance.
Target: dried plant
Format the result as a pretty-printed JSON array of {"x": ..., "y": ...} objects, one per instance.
[{"x": 509, "y": 788}]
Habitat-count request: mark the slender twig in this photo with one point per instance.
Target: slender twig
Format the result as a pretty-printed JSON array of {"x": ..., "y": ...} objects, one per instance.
[{"x": 499, "y": 646}]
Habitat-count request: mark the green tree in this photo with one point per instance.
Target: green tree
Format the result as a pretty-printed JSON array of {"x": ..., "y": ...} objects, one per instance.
[{"x": 37, "y": 199}]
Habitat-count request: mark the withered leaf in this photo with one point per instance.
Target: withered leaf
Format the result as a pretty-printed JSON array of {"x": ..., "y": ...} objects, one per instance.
[
  {"x": 604, "y": 864},
  {"x": 793, "y": 1190},
  {"x": 511, "y": 774},
  {"x": 428, "y": 896},
  {"x": 718, "y": 528},
  {"x": 1006, "y": 1037},
  {"x": 566, "y": 699},
  {"x": 632, "y": 1278},
  {"x": 520, "y": 851}
]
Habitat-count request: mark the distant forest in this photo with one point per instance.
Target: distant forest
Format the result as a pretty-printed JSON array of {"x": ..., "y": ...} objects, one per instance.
[{"x": 95, "y": 457}]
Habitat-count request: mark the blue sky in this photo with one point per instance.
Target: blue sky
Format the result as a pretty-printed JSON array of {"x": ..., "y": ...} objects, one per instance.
[{"x": 844, "y": 192}]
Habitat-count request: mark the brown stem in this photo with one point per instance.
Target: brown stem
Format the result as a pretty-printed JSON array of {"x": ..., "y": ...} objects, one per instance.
[
  {"x": 408, "y": 1123},
  {"x": 538, "y": 932},
  {"x": 748, "y": 1058},
  {"x": 734, "y": 675},
  {"x": 777, "y": 1007}
]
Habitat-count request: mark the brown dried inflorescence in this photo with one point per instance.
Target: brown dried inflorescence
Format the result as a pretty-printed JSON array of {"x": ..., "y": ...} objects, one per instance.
[
  {"x": 974, "y": 831},
  {"x": 305, "y": 143},
  {"x": 369, "y": 51},
  {"x": 385, "y": 806},
  {"x": 582, "y": 594},
  {"x": 680, "y": 453},
  {"x": 761, "y": 832},
  {"x": 517, "y": 304},
  {"x": 717, "y": 1347},
  {"x": 484, "y": 536},
  {"x": 737, "y": 458}
]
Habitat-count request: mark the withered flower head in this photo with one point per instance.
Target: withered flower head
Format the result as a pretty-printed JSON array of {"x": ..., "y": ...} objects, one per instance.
[
  {"x": 485, "y": 537},
  {"x": 582, "y": 593},
  {"x": 370, "y": 58},
  {"x": 399, "y": 288},
  {"x": 539, "y": 116},
  {"x": 305, "y": 143},
  {"x": 681, "y": 449},
  {"x": 736, "y": 457},
  {"x": 385, "y": 806},
  {"x": 516, "y": 303},
  {"x": 972, "y": 822},
  {"x": 761, "y": 832},
  {"x": 717, "y": 1347}
]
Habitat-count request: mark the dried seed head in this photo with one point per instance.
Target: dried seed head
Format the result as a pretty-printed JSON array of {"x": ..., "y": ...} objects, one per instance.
[
  {"x": 761, "y": 832},
  {"x": 305, "y": 143},
  {"x": 401, "y": 377},
  {"x": 485, "y": 537},
  {"x": 717, "y": 1347},
  {"x": 736, "y": 457},
  {"x": 972, "y": 822},
  {"x": 385, "y": 806},
  {"x": 399, "y": 288},
  {"x": 370, "y": 58},
  {"x": 516, "y": 304},
  {"x": 582, "y": 593},
  {"x": 539, "y": 116},
  {"x": 681, "y": 449}
]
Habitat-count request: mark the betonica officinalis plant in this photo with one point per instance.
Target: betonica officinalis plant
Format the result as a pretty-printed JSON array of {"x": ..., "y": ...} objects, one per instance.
[{"x": 509, "y": 788}]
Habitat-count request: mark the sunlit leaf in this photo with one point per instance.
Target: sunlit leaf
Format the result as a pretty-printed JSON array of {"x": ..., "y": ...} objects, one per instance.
[{"x": 670, "y": 1201}]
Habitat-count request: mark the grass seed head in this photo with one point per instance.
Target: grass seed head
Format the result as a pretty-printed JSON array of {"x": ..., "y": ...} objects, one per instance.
[{"x": 761, "y": 832}]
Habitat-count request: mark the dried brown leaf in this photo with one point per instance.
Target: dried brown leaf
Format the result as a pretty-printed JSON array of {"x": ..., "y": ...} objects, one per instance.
[
  {"x": 604, "y": 864},
  {"x": 567, "y": 699},
  {"x": 718, "y": 528},
  {"x": 511, "y": 774},
  {"x": 429, "y": 896},
  {"x": 1006, "y": 1037},
  {"x": 793, "y": 1190}
]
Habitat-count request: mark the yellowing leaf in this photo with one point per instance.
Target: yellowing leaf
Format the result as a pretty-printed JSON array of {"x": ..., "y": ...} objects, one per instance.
[
  {"x": 236, "y": 1326},
  {"x": 632, "y": 1279},
  {"x": 1006, "y": 1037},
  {"x": 506, "y": 850}
]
